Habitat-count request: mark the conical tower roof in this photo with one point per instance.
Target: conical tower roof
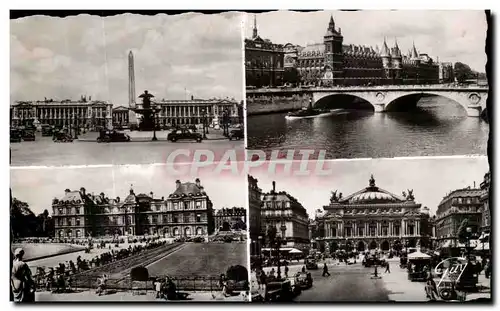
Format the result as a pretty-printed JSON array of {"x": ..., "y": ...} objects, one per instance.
[
  {"x": 396, "y": 52},
  {"x": 385, "y": 50},
  {"x": 414, "y": 53}
]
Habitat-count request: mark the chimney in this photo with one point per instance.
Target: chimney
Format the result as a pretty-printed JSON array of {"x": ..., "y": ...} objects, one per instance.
[
  {"x": 177, "y": 184},
  {"x": 192, "y": 97},
  {"x": 474, "y": 185},
  {"x": 67, "y": 190},
  {"x": 151, "y": 194},
  {"x": 198, "y": 183},
  {"x": 274, "y": 186}
]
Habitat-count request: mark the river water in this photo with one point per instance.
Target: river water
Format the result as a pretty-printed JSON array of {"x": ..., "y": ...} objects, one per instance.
[{"x": 437, "y": 127}]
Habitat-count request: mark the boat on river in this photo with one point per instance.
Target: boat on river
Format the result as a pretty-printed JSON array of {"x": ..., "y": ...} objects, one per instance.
[{"x": 314, "y": 113}]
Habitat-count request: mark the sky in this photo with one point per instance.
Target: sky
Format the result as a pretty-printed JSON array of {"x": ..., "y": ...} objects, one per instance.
[
  {"x": 430, "y": 178},
  {"x": 64, "y": 58},
  {"x": 38, "y": 187},
  {"x": 450, "y": 35}
]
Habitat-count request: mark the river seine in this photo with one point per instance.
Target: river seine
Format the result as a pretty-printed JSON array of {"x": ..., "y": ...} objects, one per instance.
[{"x": 438, "y": 127}]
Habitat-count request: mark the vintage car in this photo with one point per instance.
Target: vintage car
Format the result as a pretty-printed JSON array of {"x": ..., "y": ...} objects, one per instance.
[
  {"x": 236, "y": 134},
  {"x": 15, "y": 135},
  {"x": 311, "y": 264},
  {"x": 62, "y": 137},
  {"x": 47, "y": 130},
  {"x": 279, "y": 291},
  {"x": 112, "y": 136},
  {"x": 28, "y": 135},
  {"x": 184, "y": 134},
  {"x": 304, "y": 279}
]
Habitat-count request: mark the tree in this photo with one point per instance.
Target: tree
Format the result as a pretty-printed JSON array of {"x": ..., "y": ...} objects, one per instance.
[
  {"x": 239, "y": 225},
  {"x": 463, "y": 72},
  {"x": 271, "y": 234},
  {"x": 291, "y": 75},
  {"x": 463, "y": 235}
]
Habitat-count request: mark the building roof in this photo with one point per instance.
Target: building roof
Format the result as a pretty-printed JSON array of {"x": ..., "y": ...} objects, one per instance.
[
  {"x": 188, "y": 189},
  {"x": 462, "y": 193},
  {"x": 372, "y": 195}
]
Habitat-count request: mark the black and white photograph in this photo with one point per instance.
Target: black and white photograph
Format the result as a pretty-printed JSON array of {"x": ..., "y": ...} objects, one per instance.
[
  {"x": 127, "y": 234},
  {"x": 367, "y": 84},
  {"x": 125, "y": 88},
  {"x": 408, "y": 230}
]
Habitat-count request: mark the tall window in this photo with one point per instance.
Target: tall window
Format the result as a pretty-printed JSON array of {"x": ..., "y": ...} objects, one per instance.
[
  {"x": 198, "y": 204},
  {"x": 77, "y": 221},
  {"x": 155, "y": 219},
  {"x": 69, "y": 222},
  {"x": 361, "y": 231},
  {"x": 176, "y": 206},
  {"x": 396, "y": 230},
  {"x": 77, "y": 210},
  {"x": 373, "y": 230},
  {"x": 175, "y": 218},
  {"x": 198, "y": 217},
  {"x": 411, "y": 229}
]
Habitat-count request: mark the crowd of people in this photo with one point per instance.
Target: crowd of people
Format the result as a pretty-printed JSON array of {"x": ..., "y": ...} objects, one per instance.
[{"x": 60, "y": 277}]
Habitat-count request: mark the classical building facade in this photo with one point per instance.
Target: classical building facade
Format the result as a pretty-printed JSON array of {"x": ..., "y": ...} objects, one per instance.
[
  {"x": 255, "y": 220},
  {"x": 290, "y": 218},
  {"x": 196, "y": 111},
  {"x": 456, "y": 206},
  {"x": 228, "y": 218},
  {"x": 332, "y": 62},
  {"x": 187, "y": 212},
  {"x": 120, "y": 117},
  {"x": 263, "y": 61},
  {"x": 484, "y": 200},
  {"x": 372, "y": 218},
  {"x": 84, "y": 113}
]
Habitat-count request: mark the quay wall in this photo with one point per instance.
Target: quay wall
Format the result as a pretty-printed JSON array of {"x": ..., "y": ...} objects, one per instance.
[{"x": 267, "y": 103}]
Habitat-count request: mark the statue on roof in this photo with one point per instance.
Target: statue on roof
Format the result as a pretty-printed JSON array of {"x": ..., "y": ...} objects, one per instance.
[
  {"x": 333, "y": 197},
  {"x": 410, "y": 196},
  {"x": 372, "y": 181}
]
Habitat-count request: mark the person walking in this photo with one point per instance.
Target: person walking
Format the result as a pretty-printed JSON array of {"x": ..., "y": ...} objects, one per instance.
[
  {"x": 325, "y": 270},
  {"x": 22, "y": 284},
  {"x": 387, "y": 267},
  {"x": 286, "y": 271}
]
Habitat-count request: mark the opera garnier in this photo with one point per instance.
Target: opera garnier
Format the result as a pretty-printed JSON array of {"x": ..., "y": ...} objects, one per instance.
[{"x": 371, "y": 218}]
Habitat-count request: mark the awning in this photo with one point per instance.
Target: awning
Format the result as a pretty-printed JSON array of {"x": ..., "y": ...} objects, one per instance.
[
  {"x": 418, "y": 255},
  {"x": 295, "y": 251}
]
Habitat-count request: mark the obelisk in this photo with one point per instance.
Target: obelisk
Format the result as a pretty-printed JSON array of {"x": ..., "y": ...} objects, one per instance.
[{"x": 132, "y": 117}]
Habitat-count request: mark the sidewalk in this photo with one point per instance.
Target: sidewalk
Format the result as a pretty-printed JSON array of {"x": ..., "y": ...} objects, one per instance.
[
  {"x": 91, "y": 296},
  {"x": 400, "y": 288}
]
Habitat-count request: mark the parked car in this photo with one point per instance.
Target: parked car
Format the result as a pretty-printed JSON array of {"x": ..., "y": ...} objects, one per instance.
[
  {"x": 236, "y": 134},
  {"x": 28, "y": 135},
  {"x": 112, "y": 136},
  {"x": 279, "y": 291},
  {"x": 62, "y": 136},
  {"x": 311, "y": 264},
  {"x": 187, "y": 134},
  {"x": 304, "y": 279},
  {"x": 15, "y": 135},
  {"x": 47, "y": 130}
]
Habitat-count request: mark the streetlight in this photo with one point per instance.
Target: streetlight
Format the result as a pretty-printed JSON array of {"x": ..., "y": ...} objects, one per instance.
[
  {"x": 154, "y": 124},
  {"x": 468, "y": 248},
  {"x": 75, "y": 116},
  {"x": 278, "y": 246},
  {"x": 204, "y": 123},
  {"x": 259, "y": 247},
  {"x": 207, "y": 117}
]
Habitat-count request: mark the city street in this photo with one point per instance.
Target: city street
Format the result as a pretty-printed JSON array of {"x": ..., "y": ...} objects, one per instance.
[
  {"x": 140, "y": 150},
  {"x": 347, "y": 283}
]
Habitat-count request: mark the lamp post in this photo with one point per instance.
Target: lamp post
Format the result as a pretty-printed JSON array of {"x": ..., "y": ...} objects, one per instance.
[
  {"x": 278, "y": 246},
  {"x": 75, "y": 116},
  {"x": 468, "y": 248},
  {"x": 204, "y": 123},
  {"x": 259, "y": 247},
  {"x": 207, "y": 117},
  {"x": 154, "y": 124}
]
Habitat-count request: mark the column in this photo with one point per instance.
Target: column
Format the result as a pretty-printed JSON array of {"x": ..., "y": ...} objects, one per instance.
[
  {"x": 355, "y": 228},
  {"x": 367, "y": 233},
  {"x": 402, "y": 229}
]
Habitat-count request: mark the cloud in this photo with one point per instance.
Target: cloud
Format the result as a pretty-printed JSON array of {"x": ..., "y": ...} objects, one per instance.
[
  {"x": 85, "y": 54},
  {"x": 450, "y": 35}
]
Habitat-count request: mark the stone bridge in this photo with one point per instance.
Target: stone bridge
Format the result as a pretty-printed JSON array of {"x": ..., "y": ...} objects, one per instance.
[{"x": 384, "y": 98}]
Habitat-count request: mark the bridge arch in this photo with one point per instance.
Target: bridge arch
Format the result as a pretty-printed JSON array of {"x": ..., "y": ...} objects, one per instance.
[
  {"x": 464, "y": 100},
  {"x": 345, "y": 101}
]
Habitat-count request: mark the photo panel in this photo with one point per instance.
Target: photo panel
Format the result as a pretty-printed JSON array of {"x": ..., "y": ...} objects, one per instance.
[
  {"x": 132, "y": 233},
  {"x": 367, "y": 84},
  {"x": 386, "y": 230},
  {"x": 125, "y": 88}
]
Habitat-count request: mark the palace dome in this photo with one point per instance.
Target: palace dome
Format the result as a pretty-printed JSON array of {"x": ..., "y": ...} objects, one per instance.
[{"x": 373, "y": 195}]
